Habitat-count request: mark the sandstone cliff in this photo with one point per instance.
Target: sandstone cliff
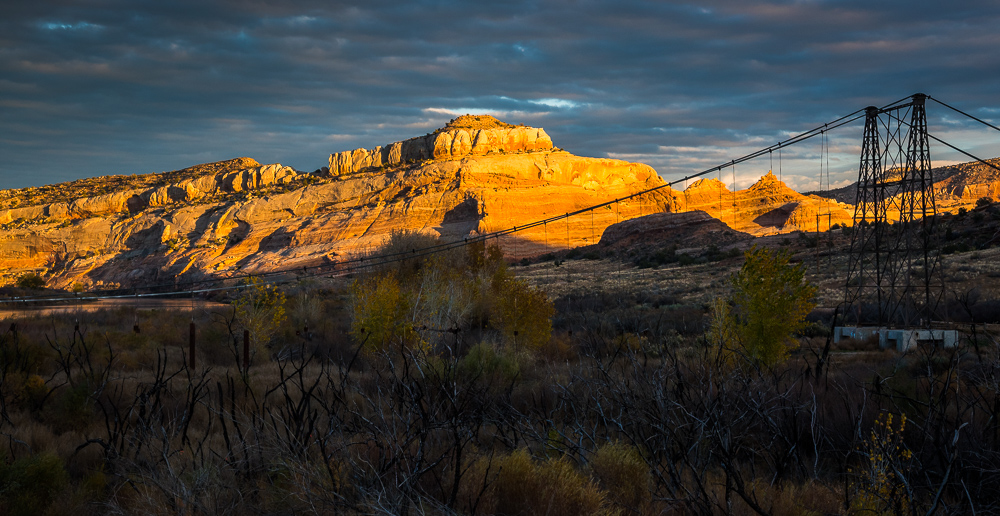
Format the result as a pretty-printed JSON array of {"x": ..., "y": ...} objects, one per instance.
[
  {"x": 137, "y": 200},
  {"x": 474, "y": 176},
  {"x": 457, "y": 140},
  {"x": 261, "y": 218}
]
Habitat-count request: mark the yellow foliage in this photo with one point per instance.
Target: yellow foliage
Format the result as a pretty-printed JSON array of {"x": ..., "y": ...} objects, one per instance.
[
  {"x": 432, "y": 300},
  {"x": 553, "y": 487},
  {"x": 35, "y": 389},
  {"x": 260, "y": 308},
  {"x": 381, "y": 312},
  {"x": 878, "y": 488},
  {"x": 523, "y": 314}
]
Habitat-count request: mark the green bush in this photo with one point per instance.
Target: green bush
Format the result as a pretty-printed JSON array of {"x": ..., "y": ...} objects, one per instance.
[
  {"x": 483, "y": 361},
  {"x": 260, "y": 309},
  {"x": 28, "y": 485},
  {"x": 31, "y": 280}
]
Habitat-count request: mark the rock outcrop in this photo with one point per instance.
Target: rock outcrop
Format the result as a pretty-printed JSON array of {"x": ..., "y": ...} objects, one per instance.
[
  {"x": 685, "y": 229},
  {"x": 455, "y": 141},
  {"x": 242, "y": 217},
  {"x": 136, "y": 200},
  {"x": 767, "y": 207}
]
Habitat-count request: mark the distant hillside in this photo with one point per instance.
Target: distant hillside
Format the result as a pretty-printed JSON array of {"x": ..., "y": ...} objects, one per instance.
[
  {"x": 474, "y": 176},
  {"x": 955, "y": 186}
]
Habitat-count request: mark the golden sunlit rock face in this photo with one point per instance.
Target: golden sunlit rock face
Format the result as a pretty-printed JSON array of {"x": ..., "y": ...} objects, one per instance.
[
  {"x": 767, "y": 207},
  {"x": 474, "y": 176},
  {"x": 267, "y": 217},
  {"x": 465, "y": 136}
]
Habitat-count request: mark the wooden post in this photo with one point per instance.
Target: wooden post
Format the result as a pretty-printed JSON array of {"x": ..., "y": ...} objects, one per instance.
[
  {"x": 246, "y": 350},
  {"x": 191, "y": 347}
]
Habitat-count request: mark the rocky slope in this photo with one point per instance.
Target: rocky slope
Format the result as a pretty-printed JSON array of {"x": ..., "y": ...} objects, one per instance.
[
  {"x": 768, "y": 207},
  {"x": 955, "y": 186},
  {"x": 260, "y": 218},
  {"x": 473, "y": 176}
]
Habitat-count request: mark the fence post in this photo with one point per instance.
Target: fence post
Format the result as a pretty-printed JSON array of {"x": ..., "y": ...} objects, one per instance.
[
  {"x": 246, "y": 350},
  {"x": 191, "y": 347}
]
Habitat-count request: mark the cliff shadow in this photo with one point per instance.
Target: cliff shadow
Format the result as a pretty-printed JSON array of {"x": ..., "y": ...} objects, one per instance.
[
  {"x": 145, "y": 239},
  {"x": 778, "y": 217},
  {"x": 461, "y": 220},
  {"x": 278, "y": 239}
]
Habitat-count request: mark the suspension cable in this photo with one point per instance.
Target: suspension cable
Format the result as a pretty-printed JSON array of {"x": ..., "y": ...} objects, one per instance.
[
  {"x": 984, "y": 162},
  {"x": 964, "y": 113}
]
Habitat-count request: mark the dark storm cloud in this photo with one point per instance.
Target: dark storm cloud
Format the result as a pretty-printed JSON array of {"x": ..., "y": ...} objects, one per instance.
[{"x": 125, "y": 87}]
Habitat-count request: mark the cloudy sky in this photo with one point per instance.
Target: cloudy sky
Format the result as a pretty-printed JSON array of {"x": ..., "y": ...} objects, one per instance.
[{"x": 117, "y": 87}]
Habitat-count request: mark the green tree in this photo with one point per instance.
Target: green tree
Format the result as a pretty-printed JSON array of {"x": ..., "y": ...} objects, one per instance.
[
  {"x": 522, "y": 313},
  {"x": 770, "y": 301}
]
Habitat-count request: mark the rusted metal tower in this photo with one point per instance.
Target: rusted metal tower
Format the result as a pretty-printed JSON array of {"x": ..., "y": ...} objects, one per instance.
[{"x": 894, "y": 269}]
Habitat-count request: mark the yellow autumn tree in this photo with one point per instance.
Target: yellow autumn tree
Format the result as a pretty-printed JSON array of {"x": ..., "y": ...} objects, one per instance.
[
  {"x": 381, "y": 314},
  {"x": 878, "y": 487},
  {"x": 429, "y": 299},
  {"x": 260, "y": 309}
]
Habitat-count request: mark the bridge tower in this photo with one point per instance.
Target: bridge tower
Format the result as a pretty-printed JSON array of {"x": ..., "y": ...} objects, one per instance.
[{"x": 894, "y": 269}]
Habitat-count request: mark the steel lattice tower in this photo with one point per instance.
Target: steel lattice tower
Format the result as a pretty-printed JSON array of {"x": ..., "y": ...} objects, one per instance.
[{"x": 894, "y": 270}]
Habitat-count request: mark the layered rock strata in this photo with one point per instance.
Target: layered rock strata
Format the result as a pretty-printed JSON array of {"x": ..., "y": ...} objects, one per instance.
[
  {"x": 272, "y": 217},
  {"x": 443, "y": 145},
  {"x": 136, "y": 200},
  {"x": 265, "y": 218}
]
